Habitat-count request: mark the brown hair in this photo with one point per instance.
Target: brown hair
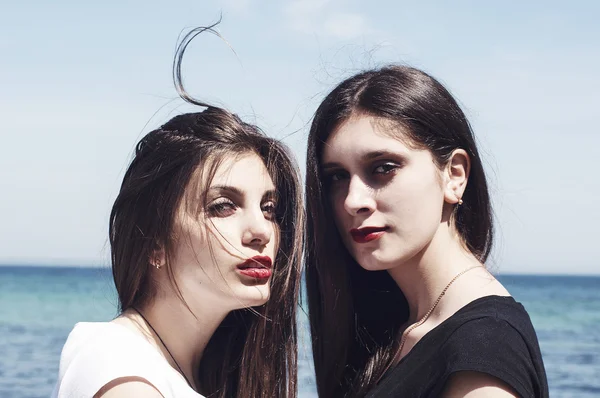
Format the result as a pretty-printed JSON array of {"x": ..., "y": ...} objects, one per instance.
[
  {"x": 254, "y": 351},
  {"x": 355, "y": 315}
]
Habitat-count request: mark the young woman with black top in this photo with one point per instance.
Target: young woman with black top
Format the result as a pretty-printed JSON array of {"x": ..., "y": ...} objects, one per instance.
[{"x": 399, "y": 229}]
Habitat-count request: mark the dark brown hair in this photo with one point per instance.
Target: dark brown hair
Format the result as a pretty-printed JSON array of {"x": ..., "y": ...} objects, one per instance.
[
  {"x": 254, "y": 351},
  {"x": 355, "y": 315}
]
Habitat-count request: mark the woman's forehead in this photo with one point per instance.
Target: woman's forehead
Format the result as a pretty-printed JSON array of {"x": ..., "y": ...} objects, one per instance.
[
  {"x": 242, "y": 173},
  {"x": 364, "y": 137},
  {"x": 245, "y": 171}
]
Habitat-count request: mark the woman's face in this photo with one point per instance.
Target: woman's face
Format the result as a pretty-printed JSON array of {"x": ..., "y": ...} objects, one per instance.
[
  {"x": 386, "y": 195},
  {"x": 224, "y": 253}
]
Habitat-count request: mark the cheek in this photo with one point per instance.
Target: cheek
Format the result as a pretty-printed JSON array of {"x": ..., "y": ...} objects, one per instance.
[
  {"x": 188, "y": 236},
  {"x": 340, "y": 215},
  {"x": 416, "y": 200},
  {"x": 220, "y": 233},
  {"x": 343, "y": 222},
  {"x": 275, "y": 243}
]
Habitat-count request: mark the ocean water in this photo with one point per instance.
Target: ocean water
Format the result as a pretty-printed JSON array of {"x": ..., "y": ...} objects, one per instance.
[{"x": 40, "y": 305}]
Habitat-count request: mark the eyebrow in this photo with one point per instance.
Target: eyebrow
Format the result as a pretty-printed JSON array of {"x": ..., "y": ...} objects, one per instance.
[
  {"x": 226, "y": 188},
  {"x": 368, "y": 156},
  {"x": 271, "y": 193},
  {"x": 379, "y": 154}
]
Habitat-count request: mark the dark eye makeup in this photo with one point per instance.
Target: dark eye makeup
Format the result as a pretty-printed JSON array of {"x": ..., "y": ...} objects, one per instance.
[
  {"x": 225, "y": 207},
  {"x": 221, "y": 207}
]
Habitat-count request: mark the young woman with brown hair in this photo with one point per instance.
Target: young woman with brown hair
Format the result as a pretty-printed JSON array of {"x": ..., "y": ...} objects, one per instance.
[
  {"x": 205, "y": 240},
  {"x": 399, "y": 229}
]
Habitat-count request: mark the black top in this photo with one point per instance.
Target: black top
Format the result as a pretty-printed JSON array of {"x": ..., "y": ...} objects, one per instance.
[{"x": 492, "y": 335}]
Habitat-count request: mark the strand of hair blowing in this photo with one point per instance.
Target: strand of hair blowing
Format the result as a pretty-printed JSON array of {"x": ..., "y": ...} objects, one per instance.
[{"x": 253, "y": 353}]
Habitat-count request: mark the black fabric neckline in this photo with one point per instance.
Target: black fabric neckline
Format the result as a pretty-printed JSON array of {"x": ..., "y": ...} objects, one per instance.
[{"x": 509, "y": 300}]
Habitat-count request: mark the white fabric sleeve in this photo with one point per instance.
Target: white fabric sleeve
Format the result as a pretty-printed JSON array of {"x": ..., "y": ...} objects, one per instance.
[{"x": 90, "y": 362}]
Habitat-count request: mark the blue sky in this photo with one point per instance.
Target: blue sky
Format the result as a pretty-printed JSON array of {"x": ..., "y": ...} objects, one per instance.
[{"x": 81, "y": 83}]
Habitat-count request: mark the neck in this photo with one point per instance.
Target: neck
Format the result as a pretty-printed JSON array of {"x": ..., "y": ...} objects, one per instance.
[
  {"x": 424, "y": 277},
  {"x": 184, "y": 335}
]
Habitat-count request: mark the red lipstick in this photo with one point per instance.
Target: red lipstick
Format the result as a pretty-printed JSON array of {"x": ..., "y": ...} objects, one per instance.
[
  {"x": 367, "y": 234},
  {"x": 258, "y": 267}
]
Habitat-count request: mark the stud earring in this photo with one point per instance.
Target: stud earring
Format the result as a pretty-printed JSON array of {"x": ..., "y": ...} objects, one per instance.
[{"x": 460, "y": 202}]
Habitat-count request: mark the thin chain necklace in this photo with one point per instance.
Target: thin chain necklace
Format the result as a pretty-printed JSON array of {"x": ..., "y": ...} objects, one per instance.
[
  {"x": 425, "y": 317},
  {"x": 166, "y": 348}
]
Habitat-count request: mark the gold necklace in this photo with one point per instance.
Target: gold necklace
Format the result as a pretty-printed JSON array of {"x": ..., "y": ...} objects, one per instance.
[{"x": 424, "y": 319}]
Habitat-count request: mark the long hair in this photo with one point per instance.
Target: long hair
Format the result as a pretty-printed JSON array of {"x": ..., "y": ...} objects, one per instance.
[
  {"x": 355, "y": 315},
  {"x": 253, "y": 353}
]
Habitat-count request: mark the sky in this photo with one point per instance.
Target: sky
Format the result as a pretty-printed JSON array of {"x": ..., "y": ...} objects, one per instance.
[{"x": 82, "y": 82}]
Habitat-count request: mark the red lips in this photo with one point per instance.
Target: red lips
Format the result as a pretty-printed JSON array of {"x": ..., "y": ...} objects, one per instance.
[
  {"x": 367, "y": 234},
  {"x": 258, "y": 267}
]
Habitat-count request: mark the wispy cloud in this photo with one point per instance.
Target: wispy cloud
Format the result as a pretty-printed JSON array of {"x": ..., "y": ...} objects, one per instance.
[
  {"x": 321, "y": 18},
  {"x": 236, "y": 5},
  {"x": 346, "y": 25}
]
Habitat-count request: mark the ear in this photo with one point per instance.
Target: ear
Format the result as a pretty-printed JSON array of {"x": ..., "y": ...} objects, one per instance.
[
  {"x": 157, "y": 258},
  {"x": 456, "y": 175}
]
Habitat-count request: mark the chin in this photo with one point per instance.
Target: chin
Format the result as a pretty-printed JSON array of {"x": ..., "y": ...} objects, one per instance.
[
  {"x": 376, "y": 267},
  {"x": 378, "y": 261},
  {"x": 254, "y": 296},
  {"x": 371, "y": 265}
]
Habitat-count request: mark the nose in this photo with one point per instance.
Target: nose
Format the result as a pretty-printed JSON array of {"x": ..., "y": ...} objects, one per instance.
[
  {"x": 359, "y": 198},
  {"x": 257, "y": 230}
]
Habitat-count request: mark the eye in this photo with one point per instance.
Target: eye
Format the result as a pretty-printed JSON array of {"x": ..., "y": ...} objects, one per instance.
[
  {"x": 385, "y": 168},
  {"x": 269, "y": 208},
  {"x": 222, "y": 207},
  {"x": 335, "y": 176}
]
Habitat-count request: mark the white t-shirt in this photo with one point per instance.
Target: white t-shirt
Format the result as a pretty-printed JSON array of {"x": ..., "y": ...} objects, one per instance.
[{"x": 98, "y": 352}]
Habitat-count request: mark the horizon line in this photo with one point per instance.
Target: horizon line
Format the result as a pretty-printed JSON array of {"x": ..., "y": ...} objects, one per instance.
[{"x": 98, "y": 266}]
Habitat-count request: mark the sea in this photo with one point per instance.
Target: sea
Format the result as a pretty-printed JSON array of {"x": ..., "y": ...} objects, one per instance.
[{"x": 40, "y": 305}]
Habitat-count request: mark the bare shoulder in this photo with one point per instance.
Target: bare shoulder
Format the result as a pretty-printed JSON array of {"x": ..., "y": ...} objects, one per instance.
[
  {"x": 482, "y": 283},
  {"x": 131, "y": 386},
  {"x": 476, "y": 385}
]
